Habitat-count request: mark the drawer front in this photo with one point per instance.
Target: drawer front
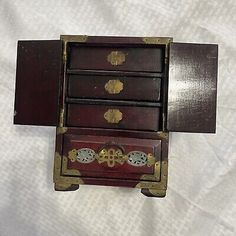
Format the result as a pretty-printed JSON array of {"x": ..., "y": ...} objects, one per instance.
[
  {"x": 111, "y": 157},
  {"x": 121, "y": 117},
  {"x": 111, "y": 87},
  {"x": 146, "y": 59}
]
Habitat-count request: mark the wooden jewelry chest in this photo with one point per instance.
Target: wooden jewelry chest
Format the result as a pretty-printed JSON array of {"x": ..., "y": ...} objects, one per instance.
[{"x": 114, "y": 101}]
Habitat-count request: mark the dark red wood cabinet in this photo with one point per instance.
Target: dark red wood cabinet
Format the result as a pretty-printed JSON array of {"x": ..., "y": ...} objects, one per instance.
[{"x": 114, "y": 101}]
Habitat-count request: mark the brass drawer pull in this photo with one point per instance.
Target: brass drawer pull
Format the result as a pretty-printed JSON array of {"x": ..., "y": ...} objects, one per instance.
[
  {"x": 113, "y": 116},
  {"x": 114, "y": 86},
  {"x": 116, "y": 58}
]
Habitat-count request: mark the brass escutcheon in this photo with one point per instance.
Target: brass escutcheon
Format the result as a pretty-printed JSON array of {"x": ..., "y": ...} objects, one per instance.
[
  {"x": 111, "y": 156},
  {"x": 114, "y": 86},
  {"x": 116, "y": 58},
  {"x": 113, "y": 116}
]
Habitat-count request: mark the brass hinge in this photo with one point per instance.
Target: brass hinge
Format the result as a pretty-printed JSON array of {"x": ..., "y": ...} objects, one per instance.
[
  {"x": 74, "y": 38},
  {"x": 157, "y": 40},
  {"x": 65, "y": 51},
  {"x": 61, "y": 119},
  {"x": 71, "y": 38}
]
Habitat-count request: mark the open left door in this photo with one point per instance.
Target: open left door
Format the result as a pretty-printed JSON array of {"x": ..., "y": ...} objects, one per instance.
[{"x": 37, "y": 82}]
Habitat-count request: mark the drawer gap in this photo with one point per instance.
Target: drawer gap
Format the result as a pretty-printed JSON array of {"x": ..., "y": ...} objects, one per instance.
[
  {"x": 112, "y": 102},
  {"x": 116, "y": 73}
]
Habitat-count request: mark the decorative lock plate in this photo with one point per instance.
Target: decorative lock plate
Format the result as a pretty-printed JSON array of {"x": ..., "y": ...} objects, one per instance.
[
  {"x": 113, "y": 116},
  {"x": 114, "y": 86},
  {"x": 116, "y": 58},
  {"x": 111, "y": 156}
]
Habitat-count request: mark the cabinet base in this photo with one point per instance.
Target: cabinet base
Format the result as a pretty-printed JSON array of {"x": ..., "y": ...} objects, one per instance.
[
  {"x": 145, "y": 191},
  {"x": 66, "y": 187},
  {"x": 153, "y": 192}
]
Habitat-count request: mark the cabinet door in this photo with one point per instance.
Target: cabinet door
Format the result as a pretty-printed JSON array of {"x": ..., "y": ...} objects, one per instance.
[
  {"x": 37, "y": 82},
  {"x": 192, "y": 88}
]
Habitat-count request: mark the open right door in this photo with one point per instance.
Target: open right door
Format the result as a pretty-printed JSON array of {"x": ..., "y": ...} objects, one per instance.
[{"x": 192, "y": 88}]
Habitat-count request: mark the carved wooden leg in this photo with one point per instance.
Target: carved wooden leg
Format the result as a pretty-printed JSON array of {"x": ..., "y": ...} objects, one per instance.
[
  {"x": 153, "y": 192},
  {"x": 65, "y": 187}
]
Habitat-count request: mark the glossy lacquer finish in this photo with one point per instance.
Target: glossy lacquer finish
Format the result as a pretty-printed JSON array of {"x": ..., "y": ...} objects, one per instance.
[
  {"x": 118, "y": 97},
  {"x": 192, "y": 87}
]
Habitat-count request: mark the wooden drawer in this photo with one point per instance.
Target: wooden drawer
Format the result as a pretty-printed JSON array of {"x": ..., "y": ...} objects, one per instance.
[
  {"x": 114, "y": 87},
  {"x": 111, "y": 157},
  {"x": 121, "y": 117},
  {"x": 149, "y": 59}
]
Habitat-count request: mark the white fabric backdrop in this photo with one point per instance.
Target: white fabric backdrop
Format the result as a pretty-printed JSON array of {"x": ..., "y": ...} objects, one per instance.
[{"x": 201, "y": 199}]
